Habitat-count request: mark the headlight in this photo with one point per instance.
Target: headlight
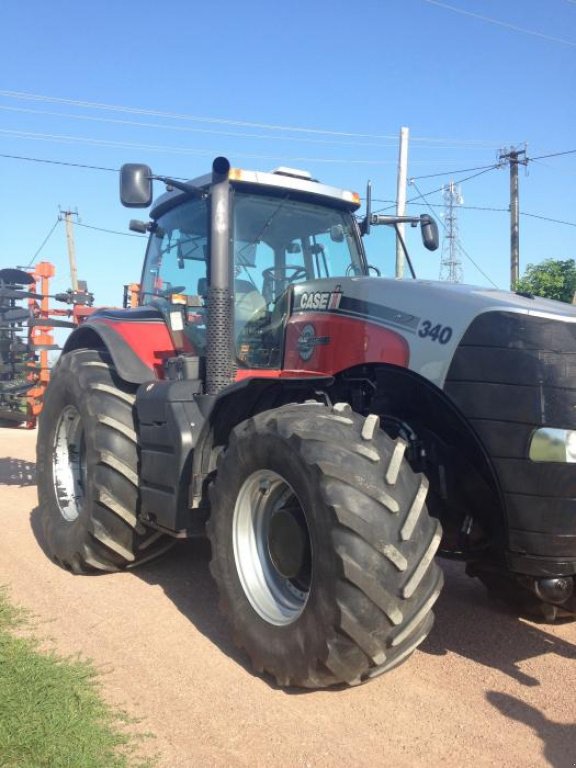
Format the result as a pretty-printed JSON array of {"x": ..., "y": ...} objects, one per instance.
[{"x": 550, "y": 444}]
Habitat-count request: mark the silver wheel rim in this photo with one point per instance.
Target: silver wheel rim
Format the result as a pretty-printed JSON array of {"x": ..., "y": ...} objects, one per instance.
[
  {"x": 272, "y": 548},
  {"x": 68, "y": 464}
]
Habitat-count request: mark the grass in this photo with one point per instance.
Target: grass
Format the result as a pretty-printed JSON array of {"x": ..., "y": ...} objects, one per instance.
[{"x": 51, "y": 712}]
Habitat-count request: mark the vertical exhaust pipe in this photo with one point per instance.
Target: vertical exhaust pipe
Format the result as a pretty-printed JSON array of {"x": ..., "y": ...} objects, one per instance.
[{"x": 220, "y": 366}]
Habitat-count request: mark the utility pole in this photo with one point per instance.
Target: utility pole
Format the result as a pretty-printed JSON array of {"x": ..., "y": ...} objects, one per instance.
[
  {"x": 401, "y": 197},
  {"x": 513, "y": 159},
  {"x": 71, "y": 247}
]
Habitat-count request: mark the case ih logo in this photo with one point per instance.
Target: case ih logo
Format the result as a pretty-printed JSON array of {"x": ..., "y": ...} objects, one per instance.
[
  {"x": 320, "y": 299},
  {"x": 308, "y": 340}
]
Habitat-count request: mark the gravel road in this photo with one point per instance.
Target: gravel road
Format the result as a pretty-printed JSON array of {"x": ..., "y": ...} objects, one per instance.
[{"x": 485, "y": 689}]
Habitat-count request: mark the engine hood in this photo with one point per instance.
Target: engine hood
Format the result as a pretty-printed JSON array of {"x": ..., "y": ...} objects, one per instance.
[{"x": 432, "y": 316}]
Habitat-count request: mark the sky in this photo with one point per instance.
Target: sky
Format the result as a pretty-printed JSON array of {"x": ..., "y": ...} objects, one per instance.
[{"x": 323, "y": 85}]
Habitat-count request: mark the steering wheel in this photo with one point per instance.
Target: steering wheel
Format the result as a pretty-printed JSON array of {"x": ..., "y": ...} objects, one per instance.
[
  {"x": 272, "y": 272},
  {"x": 272, "y": 275},
  {"x": 166, "y": 292}
]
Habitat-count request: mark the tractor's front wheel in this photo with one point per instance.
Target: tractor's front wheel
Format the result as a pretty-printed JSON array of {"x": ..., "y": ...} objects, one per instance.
[
  {"x": 87, "y": 467},
  {"x": 322, "y": 547}
]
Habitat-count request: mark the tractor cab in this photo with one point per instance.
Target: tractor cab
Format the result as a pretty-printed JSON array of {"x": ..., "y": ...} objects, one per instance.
[{"x": 281, "y": 229}]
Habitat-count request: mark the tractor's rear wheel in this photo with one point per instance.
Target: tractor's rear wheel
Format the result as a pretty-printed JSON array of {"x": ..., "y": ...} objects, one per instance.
[
  {"x": 87, "y": 467},
  {"x": 322, "y": 547}
]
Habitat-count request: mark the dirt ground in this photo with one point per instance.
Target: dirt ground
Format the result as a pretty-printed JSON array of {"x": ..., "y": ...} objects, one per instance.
[{"x": 485, "y": 689}]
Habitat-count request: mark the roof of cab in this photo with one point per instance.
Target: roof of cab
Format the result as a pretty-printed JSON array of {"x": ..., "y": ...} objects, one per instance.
[{"x": 293, "y": 181}]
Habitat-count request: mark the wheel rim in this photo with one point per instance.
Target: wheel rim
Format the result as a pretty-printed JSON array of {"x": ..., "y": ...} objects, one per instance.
[
  {"x": 272, "y": 548},
  {"x": 69, "y": 465}
]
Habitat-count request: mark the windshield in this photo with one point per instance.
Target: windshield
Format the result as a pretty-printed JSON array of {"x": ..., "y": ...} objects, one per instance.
[{"x": 279, "y": 241}]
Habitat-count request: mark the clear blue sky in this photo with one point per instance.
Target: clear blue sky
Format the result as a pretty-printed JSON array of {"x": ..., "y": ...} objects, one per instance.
[{"x": 467, "y": 77}]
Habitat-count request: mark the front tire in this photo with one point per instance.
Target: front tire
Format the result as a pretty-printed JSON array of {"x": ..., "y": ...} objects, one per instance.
[
  {"x": 87, "y": 467},
  {"x": 322, "y": 547}
]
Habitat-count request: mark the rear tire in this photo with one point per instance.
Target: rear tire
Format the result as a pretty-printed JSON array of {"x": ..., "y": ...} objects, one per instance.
[
  {"x": 322, "y": 547},
  {"x": 87, "y": 467}
]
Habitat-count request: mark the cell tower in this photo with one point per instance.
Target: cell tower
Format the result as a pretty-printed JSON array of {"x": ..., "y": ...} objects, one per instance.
[{"x": 451, "y": 263}]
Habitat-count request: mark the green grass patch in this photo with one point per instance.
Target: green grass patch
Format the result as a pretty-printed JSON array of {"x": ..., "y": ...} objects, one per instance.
[{"x": 52, "y": 714}]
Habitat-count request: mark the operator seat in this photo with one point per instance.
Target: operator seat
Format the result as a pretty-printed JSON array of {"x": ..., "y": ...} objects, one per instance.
[{"x": 248, "y": 301}]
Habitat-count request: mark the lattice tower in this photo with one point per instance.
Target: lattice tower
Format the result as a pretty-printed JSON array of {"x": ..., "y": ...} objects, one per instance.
[{"x": 451, "y": 263}]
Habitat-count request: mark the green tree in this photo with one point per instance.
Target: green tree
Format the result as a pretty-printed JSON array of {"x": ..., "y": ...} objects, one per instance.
[{"x": 552, "y": 279}]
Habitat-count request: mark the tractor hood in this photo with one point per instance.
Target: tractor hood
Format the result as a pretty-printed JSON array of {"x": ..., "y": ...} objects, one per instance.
[{"x": 432, "y": 316}]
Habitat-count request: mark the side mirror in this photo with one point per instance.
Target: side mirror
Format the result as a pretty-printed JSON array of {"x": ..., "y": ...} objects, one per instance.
[
  {"x": 429, "y": 231},
  {"x": 135, "y": 185},
  {"x": 337, "y": 233}
]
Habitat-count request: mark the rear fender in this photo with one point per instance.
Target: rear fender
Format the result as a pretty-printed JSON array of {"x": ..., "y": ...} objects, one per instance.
[{"x": 138, "y": 349}]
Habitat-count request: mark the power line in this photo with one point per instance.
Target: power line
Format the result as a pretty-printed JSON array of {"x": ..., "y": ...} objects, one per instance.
[
  {"x": 435, "y": 191},
  {"x": 505, "y": 24},
  {"x": 109, "y": 231},
  {"x": 453, "y": 173},
  {"x": 48, "y": 236},
  {"x": 460, "y": 246},
  {"x": 413, "y": 201},
  {"x": 546, "y": 218},
  {"x": 59, "y": 162},
  {"x": 391, "y": 143},
  {"x": 186, "y": 151},
  {"x": 553, "y": 154},
  {"x": 221, "y": 121}
]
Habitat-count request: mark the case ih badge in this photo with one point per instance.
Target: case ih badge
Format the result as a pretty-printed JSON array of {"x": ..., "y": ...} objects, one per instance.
[
  {"x": 323, "y": 300},
  {"x": 308, "y": 341}
]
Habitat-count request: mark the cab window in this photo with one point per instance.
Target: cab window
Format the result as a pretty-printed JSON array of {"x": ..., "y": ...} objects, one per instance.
[
  {"x": 281, "y": 241},
  {"x": 176, "y": 259}
]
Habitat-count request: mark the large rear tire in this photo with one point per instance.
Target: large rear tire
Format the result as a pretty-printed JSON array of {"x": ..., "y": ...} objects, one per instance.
[
  {"x": 322, "y": 547},
  {"x": 87, "y": 468}
]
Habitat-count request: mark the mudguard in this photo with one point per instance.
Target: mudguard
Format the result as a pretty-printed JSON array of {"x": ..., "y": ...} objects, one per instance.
[{"x": 137, "y": 340}]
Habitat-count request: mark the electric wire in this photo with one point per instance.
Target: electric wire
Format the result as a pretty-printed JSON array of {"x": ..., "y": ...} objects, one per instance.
[
  {"x": 48, "y": 236},
  {"x": 460, "y": 246},
  {"x": 453, "y": 173},
  {"x": 390, "y": 143},
  {"x": 505, "y": 24},
  {"x": 59, "y": 162},
  {"x": 109, "y": 231},
  {"x": 439, "y": 189},
  {"x": 185, "y": 151},
  {"x": 546, "y": 218},
  {"x": 222, "y": 121},
  {"x": 553, "y": 154},
  {"x": 391, "y": 203}
]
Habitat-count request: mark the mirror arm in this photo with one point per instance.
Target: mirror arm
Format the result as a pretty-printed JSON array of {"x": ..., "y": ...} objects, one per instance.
[
  {"x": 376, "y": 219},
  {"x": 182, "y": 185},
  {"x": 367, "y": 220}
]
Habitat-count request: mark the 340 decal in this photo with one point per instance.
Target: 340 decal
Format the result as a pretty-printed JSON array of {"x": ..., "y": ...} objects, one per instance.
[{"x": 440, "y": 333}]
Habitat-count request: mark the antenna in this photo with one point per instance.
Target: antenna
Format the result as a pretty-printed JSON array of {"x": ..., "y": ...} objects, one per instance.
[{"x": 450, "y": 262}]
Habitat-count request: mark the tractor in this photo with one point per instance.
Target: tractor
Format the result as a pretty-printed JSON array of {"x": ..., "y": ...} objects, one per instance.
[{"x": 331, "y": 431}]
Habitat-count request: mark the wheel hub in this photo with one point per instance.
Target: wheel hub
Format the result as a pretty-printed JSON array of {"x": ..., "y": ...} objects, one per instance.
[
  {"x": 287, "y": 543},
  {"x": 68, "y": 464},
  {"x": 272, "y": 548}
]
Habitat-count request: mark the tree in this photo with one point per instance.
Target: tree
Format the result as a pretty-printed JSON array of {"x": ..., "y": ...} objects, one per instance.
[{"x": 552, "y": 279}]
